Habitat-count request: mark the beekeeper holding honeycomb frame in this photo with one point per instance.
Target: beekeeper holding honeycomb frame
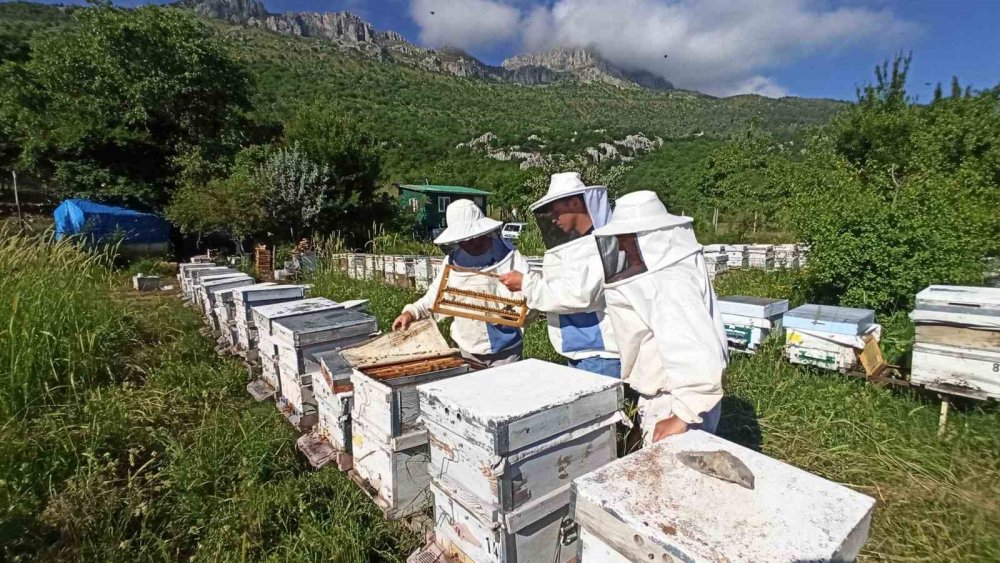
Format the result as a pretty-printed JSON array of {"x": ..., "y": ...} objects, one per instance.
[
  {"x": 663, "y": 307},
  {"x": 478, "y": 246}
]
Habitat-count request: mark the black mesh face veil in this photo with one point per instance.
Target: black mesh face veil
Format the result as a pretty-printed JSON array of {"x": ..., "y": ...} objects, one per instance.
[{"x": 621, "y": 256}]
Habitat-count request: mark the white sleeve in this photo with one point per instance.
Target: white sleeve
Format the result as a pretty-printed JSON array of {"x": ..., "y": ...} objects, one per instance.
[
  {"x": 421, "y": 308},
  {"x": 576, "y": 290}
]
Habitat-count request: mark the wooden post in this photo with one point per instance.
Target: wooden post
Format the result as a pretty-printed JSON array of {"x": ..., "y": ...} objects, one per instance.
[
  {"x": 17, "y": 203},
  {"x": 715, "y": 219},
  {"x": 943, "y": 420}
]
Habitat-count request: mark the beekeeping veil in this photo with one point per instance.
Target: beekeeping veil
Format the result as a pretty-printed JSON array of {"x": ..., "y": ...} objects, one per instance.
[
  {"x": 561, "y": 186},
  {"x": 662, "y": 306}
]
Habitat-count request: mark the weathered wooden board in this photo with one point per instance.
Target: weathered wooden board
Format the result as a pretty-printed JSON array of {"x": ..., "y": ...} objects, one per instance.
[
  {"x": 958, "y": 336},
  {"x": 952, "y": 370},
  {"x": 649, "y": 506}
]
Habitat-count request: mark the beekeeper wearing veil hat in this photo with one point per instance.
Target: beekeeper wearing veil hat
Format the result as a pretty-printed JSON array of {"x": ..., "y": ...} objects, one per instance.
[
  {"x": 569, "y": 285},
  {"x": 477, "y": 246},
  {"x": 663, "y": 307}
]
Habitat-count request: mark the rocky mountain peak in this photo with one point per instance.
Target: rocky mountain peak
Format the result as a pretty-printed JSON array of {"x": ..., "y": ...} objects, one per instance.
[{"x": 588, "y": 65}]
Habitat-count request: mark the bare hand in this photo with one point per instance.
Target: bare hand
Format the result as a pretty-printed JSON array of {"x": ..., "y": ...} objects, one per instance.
[
  {"x": 668, "y": 427},
  {"x": 403, "y": 321},
  {"x": 512, "y": 280}
]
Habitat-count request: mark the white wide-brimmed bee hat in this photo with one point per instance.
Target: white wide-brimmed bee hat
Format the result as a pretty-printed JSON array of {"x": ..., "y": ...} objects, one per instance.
[
  {"x": 465, "y": 221},
  {"x": 638, "y": 212}
]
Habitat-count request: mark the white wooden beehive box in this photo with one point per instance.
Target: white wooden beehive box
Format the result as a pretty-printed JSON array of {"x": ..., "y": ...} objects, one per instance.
[
  {"x": 388, "y": 441},
  {"x": 198, "y": 275},
  {"x": 748, "y": 320},
  {"x": 295, "y": 341},
  {"x": 957, "y": 349},
  {"x": 505, "y": 444},
  {"x": 825, "y": 336},
  {"x": 258, "y": 331},
  {"x": 209, "y": 291},
  {"x": 737, "y": 256},
  {"x": 649, "y": 506},
  {"x": 185, "y": 271},
  {"x": 246, "y": 302}
]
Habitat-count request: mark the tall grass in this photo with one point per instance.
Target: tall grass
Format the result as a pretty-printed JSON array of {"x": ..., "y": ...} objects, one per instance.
[{"x": 61, "y": 327}]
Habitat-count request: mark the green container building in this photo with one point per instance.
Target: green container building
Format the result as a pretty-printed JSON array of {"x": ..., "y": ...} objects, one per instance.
[{"x": 429, "y": 203}]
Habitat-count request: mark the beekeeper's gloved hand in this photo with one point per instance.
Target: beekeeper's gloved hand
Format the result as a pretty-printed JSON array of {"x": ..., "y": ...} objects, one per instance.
[{"x": 403, "y": 321}]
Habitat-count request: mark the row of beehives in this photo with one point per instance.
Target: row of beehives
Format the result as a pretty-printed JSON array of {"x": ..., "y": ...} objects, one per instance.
[
  {"x": 419, "y": 271},
  {"x": 957, "y": 349},
  {"x": 517, "y": 463}
]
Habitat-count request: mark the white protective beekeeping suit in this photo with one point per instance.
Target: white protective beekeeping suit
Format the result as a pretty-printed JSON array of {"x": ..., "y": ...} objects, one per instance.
[
  {"x": 477, "y": 338},
  {"x": 569, "y": 287},
  {"x": 663, "y": 307}
]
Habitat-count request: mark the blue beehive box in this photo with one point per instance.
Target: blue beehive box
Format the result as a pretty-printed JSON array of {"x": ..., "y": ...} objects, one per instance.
[{"x": 827, "y": 318}]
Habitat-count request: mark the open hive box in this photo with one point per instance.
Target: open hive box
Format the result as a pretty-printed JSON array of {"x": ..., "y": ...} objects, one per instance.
[
  {"x": 748, "y": 320},
  {"x": 505, "y": 444},
  {"x": 697, "y": 497},
  {"x": 293, "y": 342},
  {"x": 388, "y": 440}
]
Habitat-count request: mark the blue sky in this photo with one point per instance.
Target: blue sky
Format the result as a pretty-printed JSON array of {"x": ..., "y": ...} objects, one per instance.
[{"x": 812, "y": 48}]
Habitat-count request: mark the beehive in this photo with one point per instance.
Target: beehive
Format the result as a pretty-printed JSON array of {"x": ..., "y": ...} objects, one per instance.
[
  {"x": 748, "y": 320},
  {"x": 649, "y": 506},
  {"x": 208, "y": 289},
  {"x": 716, "y": 263},
  {"x": 761, "y": 256},
  {"x": 388, "y": 440},
  {"x": 259, "y": 295},
  {"x": 330, "y": 438},
  {"x": 185, "y": 270},
  {"x": 191, "y": 273},
  {"x": 826, "y": 336},
  {"x": 957, "y": 348},
  {"x": 786, "y": 256},
  {"x": 737, "y": 256},
  {"x": 505, "y": 443},
  {"x": 297, "y": 339}
]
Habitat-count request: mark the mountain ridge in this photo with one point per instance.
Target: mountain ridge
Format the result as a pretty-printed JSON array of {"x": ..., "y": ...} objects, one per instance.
[{"x": 581, "y": 64}]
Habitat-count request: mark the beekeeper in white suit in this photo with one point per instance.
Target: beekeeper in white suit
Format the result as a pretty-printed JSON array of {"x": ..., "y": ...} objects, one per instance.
[
  {"x": 478, "y": 246},
  {"x": 663, "y": 307},
  {"x": 569, "y": 286}
]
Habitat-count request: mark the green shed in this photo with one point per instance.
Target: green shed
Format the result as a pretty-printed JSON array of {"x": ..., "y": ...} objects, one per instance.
[{"x": 429, "y": 203}]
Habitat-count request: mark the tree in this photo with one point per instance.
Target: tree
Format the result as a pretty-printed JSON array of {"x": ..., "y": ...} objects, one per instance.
[
  {"x": 895, "y": 196},
  {"x": 106, "y": 107},
  {"x": 295, "y": 190}
]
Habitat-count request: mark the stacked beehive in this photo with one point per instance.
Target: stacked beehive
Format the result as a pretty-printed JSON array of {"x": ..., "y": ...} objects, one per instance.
[
  {"x": 505, "y": 444},
  {"x": 225, "y": 311},
  {"x": 207, "y": 274},
  {"x": 657, "y": 505},
  {"x": 826, "y": 336},
  {"x": 388, "y": 439},
  {"x": 748, "y": 320},
  {"x": 186, "y": 275},
  {"x": 208, "y": 293},
  {"x": 260, "y": 335},
  {"x": 259, "y": 295},
  {"x": 803, "y": 253},
  {"x": 330, "y": 438},
  {"x": 737, "y": 254},
  {"x": 296, "y": 340},
  {"x": 786, "y": 256},
  {"x": 761, "y": 256},
  {"x": 716, "y": 264},
  {"x": 957, "y": 349}
]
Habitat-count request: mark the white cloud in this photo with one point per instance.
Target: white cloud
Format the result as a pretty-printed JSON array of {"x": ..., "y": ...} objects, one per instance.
[
  {"x": 716, "y": 46},
  {"x": 757, "y": 84},
  {"x": 720, "y": 47},
  {"x": 466, "y": 24}
]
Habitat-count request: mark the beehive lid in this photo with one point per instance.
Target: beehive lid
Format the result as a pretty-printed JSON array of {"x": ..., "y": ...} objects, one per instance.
[
  {"x": 747, "y": 306},
  {"x": 318, "y": 321},
  {"x": 960, "y": 299},
  {"x": 827, "y": 318},
  {"x": 220, "y": 281},
  {"x": 292, "y": 308},
  {"x": 649, "y": 504},
  {"x": 509, "y": 407}
]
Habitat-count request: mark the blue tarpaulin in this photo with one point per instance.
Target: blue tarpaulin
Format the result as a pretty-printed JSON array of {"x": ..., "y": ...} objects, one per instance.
[{"x": 105, "y": 223}]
